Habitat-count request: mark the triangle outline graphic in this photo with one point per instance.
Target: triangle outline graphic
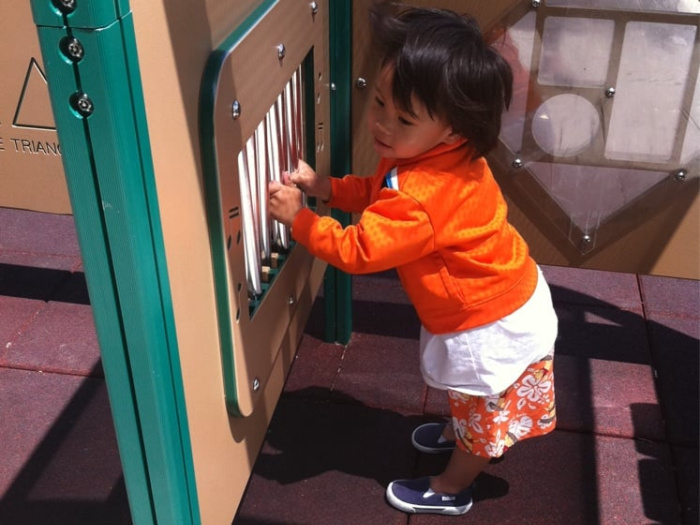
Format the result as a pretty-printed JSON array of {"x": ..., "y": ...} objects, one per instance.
[{"x": 32, "y": 70}]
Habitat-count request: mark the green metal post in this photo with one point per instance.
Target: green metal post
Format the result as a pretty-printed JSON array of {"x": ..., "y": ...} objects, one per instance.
[
  {"x": 337, "y": 284},
  {"x": 94, "y": 82}
]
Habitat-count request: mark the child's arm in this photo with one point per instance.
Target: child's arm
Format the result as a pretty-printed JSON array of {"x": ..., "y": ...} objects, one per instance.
[
  {"x": 350, "y": 194},
  {"x": 390, "y": 233}
]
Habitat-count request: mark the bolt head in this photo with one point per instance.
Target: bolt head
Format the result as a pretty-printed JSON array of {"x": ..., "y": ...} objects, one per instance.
[
  {"x": 281, "y": 51},
  {"x": 518, "y": 163},
  {"x": 680, "y": 175},
  {"x": 314, "y": 8},
  {"x": 71, "y": 47},
  {"x": 81, "y": 103},
  {"x": 235, "y": 109},
  {"x": 65, "y": 6}
]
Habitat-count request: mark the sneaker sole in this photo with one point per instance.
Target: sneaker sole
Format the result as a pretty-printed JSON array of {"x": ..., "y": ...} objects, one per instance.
[{"x": 424, "y": 509}]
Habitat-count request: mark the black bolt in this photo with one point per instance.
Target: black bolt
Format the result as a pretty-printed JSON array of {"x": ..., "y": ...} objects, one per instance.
[
  {"x": 72, "y": 48},
  {"x": 81, "y": 103},
  {"x": 65, "y": 6}
]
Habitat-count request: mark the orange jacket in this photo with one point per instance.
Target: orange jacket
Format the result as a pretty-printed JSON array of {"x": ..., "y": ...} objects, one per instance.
[{"x": 445, "y": 231}]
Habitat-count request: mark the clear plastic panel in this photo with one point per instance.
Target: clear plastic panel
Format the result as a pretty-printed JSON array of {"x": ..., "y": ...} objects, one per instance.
[
  {"x": 589, "y": 195},
  {"x": 691, "y": 142},
  {"x": 649, "y": 93},
  {"x": 575, "y": 51},
  {"x": 628, "y": 143},
  {"x": 565, "y": 125},
  {"x": 668, "y": 6},
  {"x": 516, "y": 47}
]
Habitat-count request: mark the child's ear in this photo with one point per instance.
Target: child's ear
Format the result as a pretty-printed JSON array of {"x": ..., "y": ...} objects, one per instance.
[{"x": 452, "y": 137}]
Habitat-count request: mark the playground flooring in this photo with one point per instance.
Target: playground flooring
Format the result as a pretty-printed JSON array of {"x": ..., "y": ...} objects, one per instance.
[{"x": 625, "y": 450}]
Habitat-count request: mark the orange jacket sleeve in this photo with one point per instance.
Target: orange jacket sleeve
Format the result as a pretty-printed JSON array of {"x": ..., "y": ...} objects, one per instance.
[
  {"x": 351, "y": 193},
  {"x": 392, "y": 231}
]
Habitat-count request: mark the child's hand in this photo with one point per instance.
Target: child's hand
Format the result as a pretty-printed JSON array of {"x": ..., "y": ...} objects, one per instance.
[
  {"x": 285, "y": 202},
  {"x": 309, "y": 181}
]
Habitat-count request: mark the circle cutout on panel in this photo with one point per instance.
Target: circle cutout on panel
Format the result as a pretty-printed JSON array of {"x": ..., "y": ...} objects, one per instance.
[{"x": 565, "y": 125}]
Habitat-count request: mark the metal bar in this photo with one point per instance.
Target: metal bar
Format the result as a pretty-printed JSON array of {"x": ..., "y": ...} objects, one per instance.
[
  {"x": 284, "y": 160},
  {"x": 289, "y": 129},
  {"x": 299, "y": 118},
  {"x": 263, "y": 196},
  {"x": 250, "y": 244},
  {"x": 273, "y": 144}
]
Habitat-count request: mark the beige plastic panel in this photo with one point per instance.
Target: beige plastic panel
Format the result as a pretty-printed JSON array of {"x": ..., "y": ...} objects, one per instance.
[
  {"x": 174, "y": 40},
  {"x": 255, "y": 77},
  {"x": 658, "y": 227},
  {"x": 31, "y": 169}
]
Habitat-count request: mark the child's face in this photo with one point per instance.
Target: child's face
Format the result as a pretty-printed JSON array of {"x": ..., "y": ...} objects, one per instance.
[{"x": 397, "y": 134}]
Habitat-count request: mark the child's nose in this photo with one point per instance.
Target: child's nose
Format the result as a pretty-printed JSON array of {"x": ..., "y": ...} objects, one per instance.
[{"x": 382, "y": 127}]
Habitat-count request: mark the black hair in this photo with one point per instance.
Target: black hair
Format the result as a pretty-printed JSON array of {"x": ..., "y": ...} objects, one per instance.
[{"x": 441, "y": 57}]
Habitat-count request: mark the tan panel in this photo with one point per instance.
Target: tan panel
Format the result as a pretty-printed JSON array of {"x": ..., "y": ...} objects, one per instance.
[
  {"x": 174, "y": 40},
  {"x": 31, "y": 169},
  {"x": 662, "y": 242}
]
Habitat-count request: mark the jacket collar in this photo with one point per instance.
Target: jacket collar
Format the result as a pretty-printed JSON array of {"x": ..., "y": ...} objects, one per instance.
[{"x": 440, "y": 149}]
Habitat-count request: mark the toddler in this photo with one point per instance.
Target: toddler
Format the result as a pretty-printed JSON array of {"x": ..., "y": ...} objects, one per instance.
[{"x": 433, "y": 211}]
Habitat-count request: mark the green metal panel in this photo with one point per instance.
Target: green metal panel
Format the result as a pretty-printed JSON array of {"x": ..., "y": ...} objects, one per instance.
[
  {"x": 337, "y": 284},
  {"x": 74, "y": 13},
  {"x": 110, "y": 177}
]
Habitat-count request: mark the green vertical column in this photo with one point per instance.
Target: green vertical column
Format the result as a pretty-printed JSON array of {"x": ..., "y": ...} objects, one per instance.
[
  {"x": 338, "y": 285},
  {"x": 89, "y": 53}
]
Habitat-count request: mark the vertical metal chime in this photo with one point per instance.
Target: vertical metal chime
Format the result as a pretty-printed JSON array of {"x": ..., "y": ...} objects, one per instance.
[{"x": 275, "y": 147}]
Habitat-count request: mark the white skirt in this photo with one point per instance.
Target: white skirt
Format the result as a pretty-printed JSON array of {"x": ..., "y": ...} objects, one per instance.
[{"x": 488, "y": 359}]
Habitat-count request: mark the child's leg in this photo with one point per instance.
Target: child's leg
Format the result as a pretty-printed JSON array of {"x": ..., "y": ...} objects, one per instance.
[
  {"x": 449, "y": 433},
  {"x": 498, "y": 421},
  {"x": 460, "y": 473}
]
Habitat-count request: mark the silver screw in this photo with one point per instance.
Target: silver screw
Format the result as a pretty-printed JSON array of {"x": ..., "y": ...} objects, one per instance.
[
  {"x": 82, "y": 104},
  {"x": 291, "y": 300},
  {"x": 333, "y": 88},
  {"x": 680, "y": 175},
  {"x": 314, "y": 8},
  {"x": 236, "y": 109},
  {"x": 586, "y": 239},
  {"x": 610, "y": 92},
  {"x": 536, "y": 3},
  {"x": 256, "y": 384},
  {"x": 518, "y": 163},
  {"x": 281, "y": 51},
  {"x": 360, "y": 83}
]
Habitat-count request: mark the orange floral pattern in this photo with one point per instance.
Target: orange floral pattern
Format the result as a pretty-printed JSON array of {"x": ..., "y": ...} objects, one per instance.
[{"x": 488, "y": 425}]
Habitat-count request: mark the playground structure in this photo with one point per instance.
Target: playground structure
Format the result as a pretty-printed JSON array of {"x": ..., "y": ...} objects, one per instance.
[{"x": 146, "y": 160}]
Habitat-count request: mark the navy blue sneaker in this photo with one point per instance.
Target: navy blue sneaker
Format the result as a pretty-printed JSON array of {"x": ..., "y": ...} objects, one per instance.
[
  {"x": 428, "y": 438},
  {"x": 416, "y": 496}
]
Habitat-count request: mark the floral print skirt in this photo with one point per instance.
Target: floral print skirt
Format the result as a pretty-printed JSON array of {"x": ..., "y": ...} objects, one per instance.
[{"x": 488, "y": 425}]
